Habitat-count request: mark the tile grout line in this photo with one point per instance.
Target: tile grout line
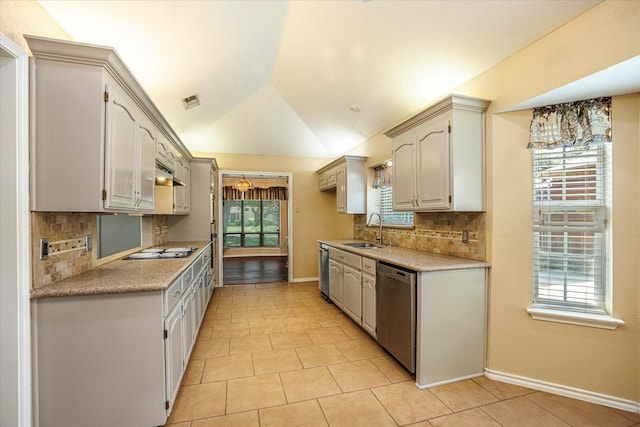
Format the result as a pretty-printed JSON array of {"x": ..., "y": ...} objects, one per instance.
[{"x": 545, "y": 409}]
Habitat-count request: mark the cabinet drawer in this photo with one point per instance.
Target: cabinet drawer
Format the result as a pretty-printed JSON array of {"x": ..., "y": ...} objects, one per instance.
[
  {"x": 346, "y": 258},
  {"x": 369, "y": 266},
  {"x": 172, "y": 295}
]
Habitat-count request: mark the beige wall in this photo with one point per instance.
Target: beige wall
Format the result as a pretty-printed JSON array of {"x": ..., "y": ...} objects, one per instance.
[
  {"x": 314, "y": 212},
  {"x": 592, "y": 359},
  {"x": 18, "y": 17},
  {"x": 596, "y": 360}
]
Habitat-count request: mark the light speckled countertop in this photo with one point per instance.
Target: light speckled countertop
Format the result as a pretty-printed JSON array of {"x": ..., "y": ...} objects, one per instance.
[
  {"x": 409, "y": 258},
  {"x": 124, "y": 276}
]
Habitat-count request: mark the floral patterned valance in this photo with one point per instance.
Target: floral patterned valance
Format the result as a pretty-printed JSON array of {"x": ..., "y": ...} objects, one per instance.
[{"x": 579, "y": 123}]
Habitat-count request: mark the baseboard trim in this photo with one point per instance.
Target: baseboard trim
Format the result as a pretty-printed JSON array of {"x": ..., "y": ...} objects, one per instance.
[
  {"x": 449, "y": 381},
  {"x": 304, "y": 279},
  {"x": 562, "y": 390}
]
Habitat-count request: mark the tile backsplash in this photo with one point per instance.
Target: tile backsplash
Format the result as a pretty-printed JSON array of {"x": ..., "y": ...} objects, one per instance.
[
  {"x": 439, "y": 232},
  {"x": 160, "y": 229},
  {"x": 61, "y": 227}
]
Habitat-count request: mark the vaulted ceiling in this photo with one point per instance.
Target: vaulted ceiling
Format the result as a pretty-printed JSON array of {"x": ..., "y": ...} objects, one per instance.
[{"x": 283, "y": 77}]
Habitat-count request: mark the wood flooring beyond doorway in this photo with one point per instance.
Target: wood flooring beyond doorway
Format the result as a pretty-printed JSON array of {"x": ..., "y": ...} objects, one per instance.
[
  {"x": 257, "y": 269},
  {"x": 278, "y": 355}
]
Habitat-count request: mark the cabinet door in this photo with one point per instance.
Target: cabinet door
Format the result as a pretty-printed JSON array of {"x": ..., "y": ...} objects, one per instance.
[
  {"x": 163, "y": 152},
  {"x": 147, "y": 167},
  {"x": 180, "y": 191},
  {"x": 352, "y": 296},
  {"x": 341, "y": 188},
  {"x": 120, "y": 156},
  {"x": 369, "y": 303},
  {"x": 433, "y": 181},
  {"x": 404, "y": 172},
  {"x": 335, "y": 282},
  {"x": 173, "y": 353},
  {"x": 186, "y": 194},
  {"x": 190, "y": 322}
]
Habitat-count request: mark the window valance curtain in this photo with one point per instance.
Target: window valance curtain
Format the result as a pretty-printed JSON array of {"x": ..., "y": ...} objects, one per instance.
[
  {"x": 262, "y": 188},
  {"x": 580, "y": 123},
  {"x": 383, "y": 176},
  {"x": 271, "y": 193}
]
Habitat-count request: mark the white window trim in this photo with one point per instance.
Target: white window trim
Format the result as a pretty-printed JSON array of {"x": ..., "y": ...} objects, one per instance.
[
  {"x": 585, "y": 318},
  {"x": 603, "y": 321}
]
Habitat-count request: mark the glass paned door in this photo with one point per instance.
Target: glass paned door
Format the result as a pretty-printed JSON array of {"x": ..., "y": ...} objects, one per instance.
[{"x": 251, "y": 223}]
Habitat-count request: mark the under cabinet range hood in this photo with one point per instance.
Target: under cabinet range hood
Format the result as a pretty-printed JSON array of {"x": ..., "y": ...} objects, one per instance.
[{"x": 165, "y": 177}]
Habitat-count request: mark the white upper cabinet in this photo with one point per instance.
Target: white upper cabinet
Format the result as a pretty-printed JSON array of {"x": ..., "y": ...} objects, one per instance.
[
  {"x": 347, "y": 175},
  {"x": 182, "y": 193},
  {"x": 164, "y": 152},
  {"x": 438, "y": 157},
  {"x": 94, "y": 131},
  {"x": 121, "y": 135},
  {"x": 147, "y": 167},
  {"x": 129, "y": 154}
]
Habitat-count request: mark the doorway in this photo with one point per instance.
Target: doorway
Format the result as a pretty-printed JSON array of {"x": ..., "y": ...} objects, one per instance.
[{"x": 254, "y": 230}]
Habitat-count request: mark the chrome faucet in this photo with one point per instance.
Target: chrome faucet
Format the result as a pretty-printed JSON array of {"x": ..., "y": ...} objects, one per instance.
[{"x": 379, "y": 238}]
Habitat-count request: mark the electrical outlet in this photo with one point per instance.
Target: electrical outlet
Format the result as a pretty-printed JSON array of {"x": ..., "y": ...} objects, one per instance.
[
  {"x": 465, "y": 236},
  {"x": 44, "y": 248}
]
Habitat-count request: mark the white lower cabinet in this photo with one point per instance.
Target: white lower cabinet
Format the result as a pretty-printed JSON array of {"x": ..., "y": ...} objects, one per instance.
[
  {"x": 352, "y": 297},
  {"x": 115, "y": 359},
  {"x": 352, "y": 287},
  {"x": 173, "y": 353},
  {"x": 369, "y": 296},
  {"x": 191, "y": 322},
  {"x": 451, "y": 325},
  {"x": 335, "y": 282}
]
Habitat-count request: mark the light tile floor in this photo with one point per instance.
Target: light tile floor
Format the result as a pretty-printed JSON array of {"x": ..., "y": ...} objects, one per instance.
[{"x": 279, "y": 355}]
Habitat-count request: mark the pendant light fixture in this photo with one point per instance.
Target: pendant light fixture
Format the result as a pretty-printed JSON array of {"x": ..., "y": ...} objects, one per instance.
[{"x": 243, "y": 185}]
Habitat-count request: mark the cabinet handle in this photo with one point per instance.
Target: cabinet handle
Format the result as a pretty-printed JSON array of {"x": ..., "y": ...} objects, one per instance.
[{"x": 176, "y": 294}]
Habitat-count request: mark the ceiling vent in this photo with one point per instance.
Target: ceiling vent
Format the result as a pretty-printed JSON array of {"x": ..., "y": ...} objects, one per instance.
[{"x": 191, "y": 101}]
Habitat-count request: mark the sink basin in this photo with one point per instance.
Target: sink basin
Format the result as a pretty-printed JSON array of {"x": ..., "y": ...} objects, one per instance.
[{"x": 363, "y": 245}]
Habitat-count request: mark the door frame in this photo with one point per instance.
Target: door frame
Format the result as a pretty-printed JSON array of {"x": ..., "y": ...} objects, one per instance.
[
  {"x": 15, "y": 281},
  {"x": 219, "y": 225}
]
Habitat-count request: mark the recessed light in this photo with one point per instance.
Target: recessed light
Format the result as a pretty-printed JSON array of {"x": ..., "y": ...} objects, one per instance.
[
  {"x": 191, "y": 101},
  {"x": 354, "y": 108}
]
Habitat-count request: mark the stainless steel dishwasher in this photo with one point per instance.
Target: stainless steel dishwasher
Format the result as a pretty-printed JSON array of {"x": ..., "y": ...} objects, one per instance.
[
  {"x": 396, "y": 312},
  {"x": 323, "y": 269}
]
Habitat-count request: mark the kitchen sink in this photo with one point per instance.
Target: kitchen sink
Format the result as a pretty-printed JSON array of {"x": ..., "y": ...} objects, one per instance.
[{"x": 363, "y": 245}]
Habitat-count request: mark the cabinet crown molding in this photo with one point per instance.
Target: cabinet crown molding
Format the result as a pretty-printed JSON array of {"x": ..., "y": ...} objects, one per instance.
[
  {"x": 459, "y": 102},
  {"x": 339, "y": 161}
]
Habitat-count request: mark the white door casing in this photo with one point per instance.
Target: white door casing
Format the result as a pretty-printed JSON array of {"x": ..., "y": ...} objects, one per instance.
[
  {"x": 219, "y": 224},
  {"x": 15, "y": 278}
]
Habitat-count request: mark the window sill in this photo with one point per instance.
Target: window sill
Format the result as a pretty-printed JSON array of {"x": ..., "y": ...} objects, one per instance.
[{"x": 602, "y": 321}]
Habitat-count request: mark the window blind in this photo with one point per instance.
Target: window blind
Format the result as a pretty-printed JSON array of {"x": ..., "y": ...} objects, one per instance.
[
  {"x": 569, "y": 225},
  {"x": 388, "y": 215}
]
